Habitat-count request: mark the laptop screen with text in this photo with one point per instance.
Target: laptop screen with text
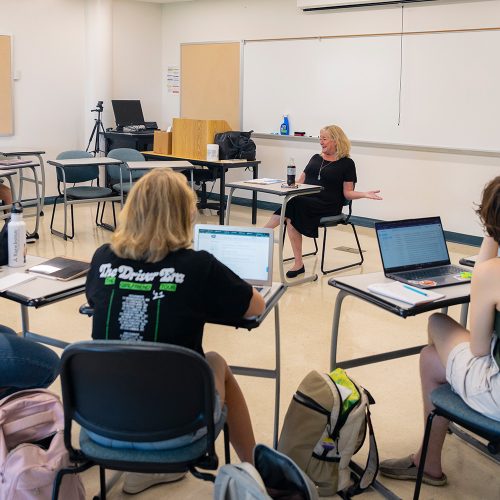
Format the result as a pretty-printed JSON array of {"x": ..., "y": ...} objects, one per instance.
[
  {"x": 412, "y": 244},
  {"x": 246, "y": 251}
]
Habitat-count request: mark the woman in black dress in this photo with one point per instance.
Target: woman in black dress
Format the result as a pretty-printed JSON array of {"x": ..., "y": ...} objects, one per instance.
[{"x": 335, "y": 171}]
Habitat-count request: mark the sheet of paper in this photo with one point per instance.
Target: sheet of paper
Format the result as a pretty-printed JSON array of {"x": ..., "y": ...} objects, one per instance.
[{"x": 14, "y": 279}]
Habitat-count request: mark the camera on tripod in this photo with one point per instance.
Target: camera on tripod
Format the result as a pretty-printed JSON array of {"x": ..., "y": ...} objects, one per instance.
[
  {"x": 99, "y": 107},
  {"x": 97, "y": 131}
]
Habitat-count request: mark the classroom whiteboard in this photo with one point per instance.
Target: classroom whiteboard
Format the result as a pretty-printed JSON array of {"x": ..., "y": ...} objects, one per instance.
[{"x": 450, "y": 88}]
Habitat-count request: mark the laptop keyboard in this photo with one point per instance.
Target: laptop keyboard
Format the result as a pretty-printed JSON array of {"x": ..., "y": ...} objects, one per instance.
[{"x": 430, "y": 273}]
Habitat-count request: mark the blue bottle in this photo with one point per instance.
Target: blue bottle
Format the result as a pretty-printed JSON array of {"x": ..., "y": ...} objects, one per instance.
[{"x": 285, "y": 126}]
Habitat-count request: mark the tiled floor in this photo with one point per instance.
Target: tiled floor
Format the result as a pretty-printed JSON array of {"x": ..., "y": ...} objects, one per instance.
[{"x": 306, "y": 315}]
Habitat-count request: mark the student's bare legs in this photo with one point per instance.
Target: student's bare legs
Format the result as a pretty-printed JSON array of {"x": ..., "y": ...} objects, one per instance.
[
  {"x": 295, "y": 239},
  {"x": 238, "y": 416},
  {"x": 444, "y": 334}
]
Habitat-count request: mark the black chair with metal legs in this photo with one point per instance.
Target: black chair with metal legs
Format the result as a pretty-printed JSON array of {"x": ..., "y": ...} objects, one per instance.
[
  {"x": 77, "y": 194},
  {"x": 139, "y": 393},
  {"x": 451, "y": 406},
  {"x": 343, "y": 219}
]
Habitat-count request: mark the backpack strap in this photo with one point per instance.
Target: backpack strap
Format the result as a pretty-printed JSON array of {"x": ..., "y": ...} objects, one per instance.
[{"x": 368, "y": 475}]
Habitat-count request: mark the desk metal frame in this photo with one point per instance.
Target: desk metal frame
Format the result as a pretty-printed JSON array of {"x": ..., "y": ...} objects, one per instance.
[
  {"x": 287, "y": 194},
  {"x": 392, "y": 307},
  {"x": 18, "y": 198},
  {"x": 220, "y": 167},
  {"x": 18, "y": 153}
]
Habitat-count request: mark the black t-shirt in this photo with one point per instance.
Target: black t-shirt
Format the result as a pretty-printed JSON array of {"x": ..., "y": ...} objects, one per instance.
[
  {"x": 167, "y": 301},
  {"x": 332, "y": 177}
]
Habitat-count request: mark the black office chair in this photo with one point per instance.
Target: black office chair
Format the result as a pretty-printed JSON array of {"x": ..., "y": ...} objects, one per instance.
[
  {"x": 202, "y": 176},
  {"x": 450, "y": 405},
  {"x": 138, "y": 392},
  {"x": 343, "y": 219}
]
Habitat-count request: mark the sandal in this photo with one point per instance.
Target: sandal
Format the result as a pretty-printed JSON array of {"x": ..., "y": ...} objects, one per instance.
[{"x": 405, "y": 469}]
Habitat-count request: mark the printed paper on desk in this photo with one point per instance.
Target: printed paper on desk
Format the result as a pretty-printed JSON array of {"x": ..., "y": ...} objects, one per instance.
[
  {"x": 14, "y": 279},
  {"x": 405, "y": 293}
]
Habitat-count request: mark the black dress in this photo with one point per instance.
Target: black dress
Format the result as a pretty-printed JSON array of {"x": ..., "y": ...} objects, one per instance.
[{"x": 306, "y": 211}]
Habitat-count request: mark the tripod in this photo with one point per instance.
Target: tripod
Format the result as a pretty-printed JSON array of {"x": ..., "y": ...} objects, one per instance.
[{"x": 96, "y": 131}]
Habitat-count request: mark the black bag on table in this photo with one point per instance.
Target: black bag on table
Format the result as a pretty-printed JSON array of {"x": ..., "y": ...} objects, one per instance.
[{"x": 235, "y": 145}]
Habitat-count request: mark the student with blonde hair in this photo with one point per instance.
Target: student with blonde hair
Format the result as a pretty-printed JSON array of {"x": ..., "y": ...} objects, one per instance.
[
  {"x": 149, "y": 285},
  {"x": 335, "y": 171}
]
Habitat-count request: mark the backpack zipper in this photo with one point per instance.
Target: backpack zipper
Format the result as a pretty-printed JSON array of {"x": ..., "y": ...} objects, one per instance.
[{"x": 304, "y": 400}]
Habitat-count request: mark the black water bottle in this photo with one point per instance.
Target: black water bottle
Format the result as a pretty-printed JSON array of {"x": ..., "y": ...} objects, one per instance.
[{"x": 290, "y": 173}]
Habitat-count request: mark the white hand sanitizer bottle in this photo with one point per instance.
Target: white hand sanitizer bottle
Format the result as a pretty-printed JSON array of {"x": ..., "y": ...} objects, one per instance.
[{"x": 16, "y": 237}]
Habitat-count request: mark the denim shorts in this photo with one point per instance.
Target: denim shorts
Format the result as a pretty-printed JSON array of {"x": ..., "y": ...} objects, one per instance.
[{"x": 167, "y": 444}]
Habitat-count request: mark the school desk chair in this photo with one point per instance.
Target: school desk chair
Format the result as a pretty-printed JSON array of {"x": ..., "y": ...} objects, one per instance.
[
  {"x": 450, "y": 405},
  {"x": 139, "y": 393},
  {"x": 343, "y": 219}
]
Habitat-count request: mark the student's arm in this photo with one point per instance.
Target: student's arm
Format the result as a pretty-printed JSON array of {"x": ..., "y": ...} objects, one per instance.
[
  {"x": 350, "y": 194},
  {"x": 485, "y": 296},
  {"x": 256, "y": 306},
  {"x": 488, "y": 250}
]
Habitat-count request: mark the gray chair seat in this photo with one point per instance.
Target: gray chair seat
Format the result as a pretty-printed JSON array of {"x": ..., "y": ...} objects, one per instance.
[
  {"x": 452, "y": 406},
  {"x": 88, "y": 192},
  {"x": 126, "y": 186}
]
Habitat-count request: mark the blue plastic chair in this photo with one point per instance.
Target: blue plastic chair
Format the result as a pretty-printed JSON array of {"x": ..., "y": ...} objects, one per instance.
[
  {"x": 113, "y": 171},
  {"x": 139, "y": 392},
  {"x": 77, "y": 194},
  {"x": 451, "y": 406}
]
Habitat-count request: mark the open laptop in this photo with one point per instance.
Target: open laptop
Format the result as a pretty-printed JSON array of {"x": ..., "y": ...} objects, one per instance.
[
  {"x": 414, "y": 251},
  {"x": 247, "y": 251}
]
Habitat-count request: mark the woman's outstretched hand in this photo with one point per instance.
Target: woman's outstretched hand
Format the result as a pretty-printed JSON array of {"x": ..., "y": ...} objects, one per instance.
[{"x": 373, "y": 195}]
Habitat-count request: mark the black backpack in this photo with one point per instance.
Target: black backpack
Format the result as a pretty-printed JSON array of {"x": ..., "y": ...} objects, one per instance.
[{"x": 235, "y": 145}]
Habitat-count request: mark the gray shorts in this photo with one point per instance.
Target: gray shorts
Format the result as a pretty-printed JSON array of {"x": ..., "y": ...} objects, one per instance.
[{"x": 475, "y": 379}]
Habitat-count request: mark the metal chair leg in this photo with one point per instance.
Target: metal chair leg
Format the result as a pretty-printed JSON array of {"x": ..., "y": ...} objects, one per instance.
[
  {"x": 358, "y": 263},
  {"x": 227, "y": 452},
  {"x": 102, "y": 482},
  {"x": 423, "y": 455}
]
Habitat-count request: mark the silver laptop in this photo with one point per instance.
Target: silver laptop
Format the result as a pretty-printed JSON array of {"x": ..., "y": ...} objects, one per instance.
[
  {"x": 247, "y": 251},
  {"x": 414, "y": 251}
]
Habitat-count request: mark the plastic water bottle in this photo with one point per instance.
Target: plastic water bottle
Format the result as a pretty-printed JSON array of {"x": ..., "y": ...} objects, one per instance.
[
  {"x": 285, "y": 126},
  {"x": 290, "y": 172},
  {"x": 16, "y": 237}
]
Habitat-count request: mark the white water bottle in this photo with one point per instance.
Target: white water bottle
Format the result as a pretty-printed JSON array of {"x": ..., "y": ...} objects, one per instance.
[{"x": 16, "y": 237}]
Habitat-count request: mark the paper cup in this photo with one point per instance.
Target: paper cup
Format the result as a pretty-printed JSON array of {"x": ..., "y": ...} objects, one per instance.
[{"x": 212, "y": 152}]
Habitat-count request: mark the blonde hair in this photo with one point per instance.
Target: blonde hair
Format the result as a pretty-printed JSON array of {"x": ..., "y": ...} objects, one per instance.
[
  {"x": 156, "y": 219},
  {"x": 338, "y": 135}
]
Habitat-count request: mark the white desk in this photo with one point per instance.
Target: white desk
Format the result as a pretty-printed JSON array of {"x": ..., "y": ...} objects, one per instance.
[
  {"x": 178, "y": 165},
  {"x": 286, "y": 194},
  {"x": 81, "y": 162},
  {"x": 38, "y": 202},
  {"x": 39, "y": 292},
  {"x": 357, "y": 286}
]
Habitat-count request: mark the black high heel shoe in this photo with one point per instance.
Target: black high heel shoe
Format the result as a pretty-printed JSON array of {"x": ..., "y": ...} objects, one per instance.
[{"x": 294, "y": 274}]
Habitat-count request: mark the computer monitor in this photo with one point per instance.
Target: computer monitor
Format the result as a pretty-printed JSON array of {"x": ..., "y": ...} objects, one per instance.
[{"x": 127, "y": 112}]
